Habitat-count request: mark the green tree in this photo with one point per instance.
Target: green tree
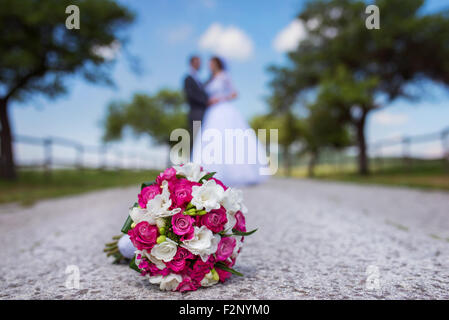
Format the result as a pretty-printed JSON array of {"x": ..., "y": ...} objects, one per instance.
[
  {"x": 289, "y": 132},
  {"x": 38, "y": 52},
  {"x": 323, "y": 128},
  {"x": 156, "y": 115},
  {"x": 408, "y": 47}
]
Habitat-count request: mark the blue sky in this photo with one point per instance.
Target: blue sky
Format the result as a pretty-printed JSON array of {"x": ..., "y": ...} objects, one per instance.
[{"x": 166, "y": 32}]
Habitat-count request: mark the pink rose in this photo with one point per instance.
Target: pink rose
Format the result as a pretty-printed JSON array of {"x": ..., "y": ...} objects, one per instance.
[
  {"x": 169, "y": 174},
  {"x": 225, "y": 248},
  {"x": 178, "y": 263},
  {"x": 200, "y": 268},
  {"x": 143, "y": 235},
  {"x": 181, "y": 191},
  {"x": 219, "y": 183},
  {"x": 223, "y": 275},
  {"x": 188, "y": 284},
  {"x": 240, "y": 224},
  {"x": 215, "y": 220},
  {"x": 182, "y": 224},
  {"x": 155, "y": 271},
  {"x": 183, "y": 253},
  {"x": 148, "y": 193}
]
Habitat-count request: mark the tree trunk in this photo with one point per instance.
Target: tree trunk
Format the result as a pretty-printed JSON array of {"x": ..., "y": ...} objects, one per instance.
[
  {"x": 7, "y": 168},
  {"x": 311, "y": 166},
  {"x": 361, "y": 144}
]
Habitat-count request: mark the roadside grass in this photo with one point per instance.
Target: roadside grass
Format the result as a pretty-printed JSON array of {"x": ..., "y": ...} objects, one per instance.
[
  {"x": 422, "y": 174},
  {"x": 33, "y": 185}
]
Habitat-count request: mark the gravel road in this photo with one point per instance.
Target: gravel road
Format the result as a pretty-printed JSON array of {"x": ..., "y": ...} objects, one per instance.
[{"x": 316, "y": 240}]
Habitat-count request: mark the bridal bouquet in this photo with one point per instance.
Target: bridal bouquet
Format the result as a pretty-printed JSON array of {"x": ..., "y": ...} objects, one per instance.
[{"x": 185, "y": 231}]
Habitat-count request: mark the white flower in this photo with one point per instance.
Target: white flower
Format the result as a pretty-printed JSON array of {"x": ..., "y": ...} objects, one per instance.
[
  {"x": 165, "y": 251},
  {"x": 231, "y": 222},
  {"x": 155, "y": 279},
  {"x": 208, "y": 280},
  {"x": 159, "y": 206},
  {"x": 192, "y": 171},
  {"x": 243, "y": 209},
  {"x": 169, "y": 282},
  {"x": 232, "y": 200},
  {"x": 207, "y": 196},
  {"x": 138, "y": 214},
  {"x": 160, "y": 223},
  {"x": 158, "y": 262},
  {"x": 238, "y": 245},
  {"x": 203, "y": 243}
]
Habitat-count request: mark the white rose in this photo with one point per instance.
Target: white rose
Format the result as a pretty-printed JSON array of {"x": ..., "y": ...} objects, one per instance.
[
  {"x": 159, "y": 263},
  {"x": 204, "y": 243},
  {"x": 159, "y": 206},
  {"x": 138, "y": 214},
  {"x": 232, "y": 200},
  {"x": 208, "y": 280},
  {"x": 207, "y": 196},
  {"x": 192, "y": 171},
  {"x": 165, "y": 251},
  {"x": 170, "y": 282},
  {"x": 155, "y": 279}
]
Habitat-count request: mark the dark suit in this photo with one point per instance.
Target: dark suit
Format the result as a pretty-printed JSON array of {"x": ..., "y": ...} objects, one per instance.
[{"x": 197, "y": 99}]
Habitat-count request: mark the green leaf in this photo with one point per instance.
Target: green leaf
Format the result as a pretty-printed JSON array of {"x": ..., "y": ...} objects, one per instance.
[
  {"x": 207, "y": 176},
  {"x": 222, "y": 266},
  {"x": 237, "y": 233},
  {"x": 133, "y": 265},
  {"x": 180, "y": 176},
  {"x": 127, "y": 225},
  {"x": 146, "y": 184}
]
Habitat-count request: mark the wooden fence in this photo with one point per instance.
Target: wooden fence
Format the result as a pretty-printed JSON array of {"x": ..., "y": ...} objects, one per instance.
[{"x": 107, "y": 158}]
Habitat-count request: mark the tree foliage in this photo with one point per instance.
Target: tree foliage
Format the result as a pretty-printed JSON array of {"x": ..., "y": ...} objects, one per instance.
[
  {"x": 38, "y": 52},
  {"x": 360, "y": 70},
  {"x": 155, "y": 115}
]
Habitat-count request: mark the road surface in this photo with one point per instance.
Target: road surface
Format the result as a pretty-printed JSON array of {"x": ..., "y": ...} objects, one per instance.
[{"x": 316, "y": 240}]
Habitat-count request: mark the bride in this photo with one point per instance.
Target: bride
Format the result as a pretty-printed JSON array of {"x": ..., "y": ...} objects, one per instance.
[{"x": 234, "y": 163}]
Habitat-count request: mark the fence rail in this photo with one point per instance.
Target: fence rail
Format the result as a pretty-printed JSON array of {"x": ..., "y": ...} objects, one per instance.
[
  {"x": 440, "y": 140},
  {"x": 107, "y": 158},
  {"x": 402, "y": 151}
]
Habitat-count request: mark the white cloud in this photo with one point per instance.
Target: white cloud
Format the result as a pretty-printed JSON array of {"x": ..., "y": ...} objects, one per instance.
[
  {"x": 229, "y": 42},
  {"x": 109, "y": 52},
  {"x": 179, "y": 34},
  {"x": 289, "y": 37},
  {"x": 209, "y": 3},
  {"x": 387, "y": 118}
]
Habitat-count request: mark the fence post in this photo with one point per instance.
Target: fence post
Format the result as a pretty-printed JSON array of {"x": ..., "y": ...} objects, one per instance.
[
  {"x": 47, "y": 156},
  {"x": 379, "y": 157},
  {"x": 445, "y": 146},
  {"x": 406, "y": 151},
  {"x": 103, "y": 157},
  {"x": 79, "y": 158}
]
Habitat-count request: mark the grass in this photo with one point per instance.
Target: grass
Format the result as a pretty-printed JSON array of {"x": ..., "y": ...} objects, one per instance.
[
  {"x": 32, "y": 186},
  {"x": 423, "y": 174}
]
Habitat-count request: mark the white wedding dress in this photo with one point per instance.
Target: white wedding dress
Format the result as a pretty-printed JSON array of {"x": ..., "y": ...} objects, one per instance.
[{"x": 235, "y": 164}]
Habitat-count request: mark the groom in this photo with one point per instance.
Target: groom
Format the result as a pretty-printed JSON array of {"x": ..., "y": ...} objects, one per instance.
[{"x": 196, "y": 95}]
